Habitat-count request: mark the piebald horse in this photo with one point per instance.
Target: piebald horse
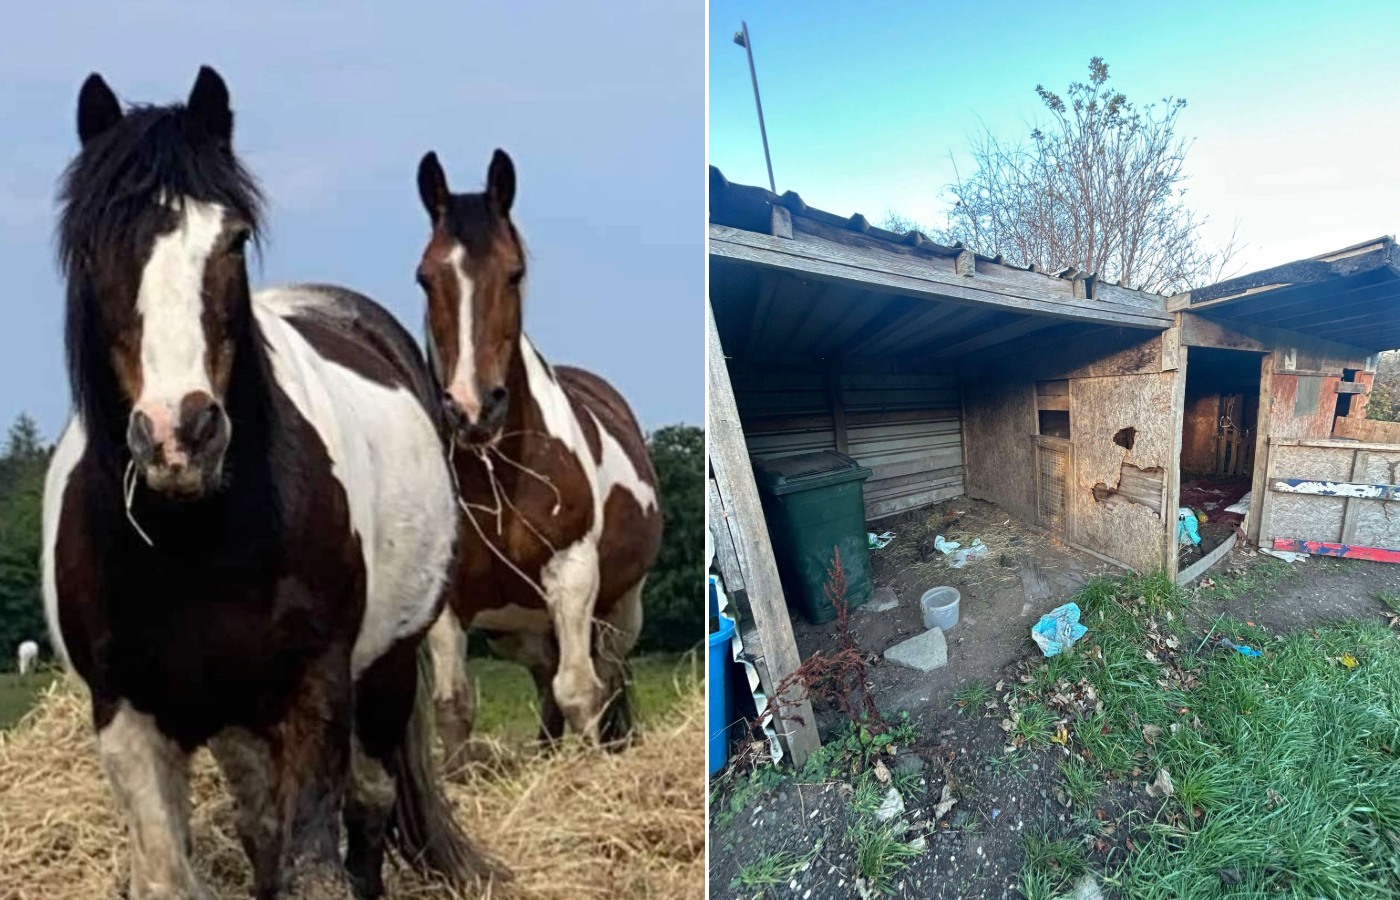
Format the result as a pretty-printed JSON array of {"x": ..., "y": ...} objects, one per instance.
[
  {"x": 248, "y": 523},
  {"x": 561, "y": 520}
]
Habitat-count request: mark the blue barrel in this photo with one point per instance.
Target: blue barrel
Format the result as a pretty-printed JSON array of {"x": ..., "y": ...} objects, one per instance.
[{"x": 721, "y": 708}]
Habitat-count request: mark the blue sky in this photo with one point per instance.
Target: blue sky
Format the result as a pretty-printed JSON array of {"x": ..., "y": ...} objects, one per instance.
[
  {"x": 1293, "y": 107},
  {"x": 601, "y": 108}
]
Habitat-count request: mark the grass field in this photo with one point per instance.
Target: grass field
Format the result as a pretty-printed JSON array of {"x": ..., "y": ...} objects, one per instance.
[
  {"x": 18, "y": 693},
  {"x": 508, "y": 709},
  {"x": 1285, "y": 769}
]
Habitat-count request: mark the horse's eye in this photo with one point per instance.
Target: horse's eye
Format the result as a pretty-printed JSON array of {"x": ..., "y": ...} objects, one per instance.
[
  {"x": 517, "y": 277},
  {"x": 421, "y": 279},
  {"x": 239, "y": 242}
]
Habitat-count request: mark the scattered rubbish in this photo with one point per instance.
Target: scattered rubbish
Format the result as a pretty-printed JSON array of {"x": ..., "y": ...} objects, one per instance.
[
  {"x": 879, "y": 541},
  {"x": 945, "y": 546},
  {"x": 891, "y": 807},
  {"x": 1241, "y": 507},
  {"x": 995, "y": 813},
  {"x": 1242, "y": 649},
  {"x": 1201, "y": 517},
  {"x": 1187, "y": 528},
  {"x": 1347, "y": 660},
  {"x": 967, "y": 554},
  {"x": 1058, "y": 629},
  {"x": 1163, "y": 786},
  {"x": 1287, "y": 555},
  {"x": 1087, "y": 888}
]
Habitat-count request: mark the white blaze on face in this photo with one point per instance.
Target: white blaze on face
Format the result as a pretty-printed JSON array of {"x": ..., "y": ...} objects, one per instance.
[
  {"x": 170, "y": 302},
  {"x": 463, "y": 386}
]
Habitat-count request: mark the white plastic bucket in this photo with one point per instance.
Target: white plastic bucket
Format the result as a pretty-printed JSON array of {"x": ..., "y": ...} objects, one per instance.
[{"x": 940, "y": 607}]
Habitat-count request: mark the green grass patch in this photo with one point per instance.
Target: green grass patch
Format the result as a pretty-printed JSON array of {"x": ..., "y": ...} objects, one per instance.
[
  {"x": 1050, "y": 865},
  {"x": 773, "y": 869},
  {"x": 1261, "y": 575},
  {"x": 881, "y": 854},
  {"x": 1390, "y": 599},
  {"x": 972, "y": 698},
  {"x": 509, "y": 708},
  {"x": 1286, "y": 767},
  {"x": 19, "y": 693},
  {"x": 1082, "y": 784}
]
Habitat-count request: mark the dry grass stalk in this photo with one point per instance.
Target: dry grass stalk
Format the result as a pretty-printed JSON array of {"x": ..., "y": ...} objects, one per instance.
[{"x": 575, "y": 825}]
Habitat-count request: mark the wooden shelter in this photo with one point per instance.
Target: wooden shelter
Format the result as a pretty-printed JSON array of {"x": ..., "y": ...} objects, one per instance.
[{"x": 1068, "y": 401}]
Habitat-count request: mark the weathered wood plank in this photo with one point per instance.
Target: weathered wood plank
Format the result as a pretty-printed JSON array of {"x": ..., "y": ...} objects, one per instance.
[
  {"x": 1323, "y": 488},
  {"x": 728, "y": 455},
  {"x": 864, "y": 267},
  {"x": 1347, "y": 551},
  {"x": 1367, "y": 430},
  {"x": 1352, "y": 511}
]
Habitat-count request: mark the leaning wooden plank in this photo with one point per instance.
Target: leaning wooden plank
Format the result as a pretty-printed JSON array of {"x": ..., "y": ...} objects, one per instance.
[
  {"x": 729, "y": 459},
  {"x": 1320, "y": 488},
  {"x": 1318, "y": 548},
  {"x": 1204, "y": 564}
]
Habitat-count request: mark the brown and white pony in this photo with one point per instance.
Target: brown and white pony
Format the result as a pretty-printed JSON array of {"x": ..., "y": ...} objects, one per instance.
[
  {"x": 248, "y": 524},
  {"x": 559, "y": 498}
]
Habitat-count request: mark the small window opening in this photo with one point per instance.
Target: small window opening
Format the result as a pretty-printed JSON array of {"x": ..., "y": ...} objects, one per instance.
[
  {"x": 1344, "y": 400},
  {"x": 1054, "y": 423}
]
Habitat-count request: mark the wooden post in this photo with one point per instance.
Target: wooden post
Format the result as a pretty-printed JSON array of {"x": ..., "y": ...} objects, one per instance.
[
  {"x": 838, "y": 408},
  {"x": 1254, "y": 519},
  {"x": 1171, "y": 493},
  {"x": 1351, "y": 509},
  {"x": 729, "y": 458}
]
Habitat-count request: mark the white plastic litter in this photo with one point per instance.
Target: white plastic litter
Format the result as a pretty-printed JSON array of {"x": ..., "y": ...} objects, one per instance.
[
  {"x": 1288, "y": 555},
  {"x": 976, "y": 551},
  {"x": 1242, "y": 507},
  {"x": 879, "y": 541},
  {"x": 943, "y": 546}
]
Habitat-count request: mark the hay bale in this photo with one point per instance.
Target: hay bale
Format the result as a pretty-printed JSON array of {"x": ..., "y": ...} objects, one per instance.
[{"x": 577, "y": 824}]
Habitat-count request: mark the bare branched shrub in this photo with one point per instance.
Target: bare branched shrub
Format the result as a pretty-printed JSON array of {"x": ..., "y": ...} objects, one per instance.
[
  {"x": 1099, "y": 186},
  {"x": 839, "y": 677}
]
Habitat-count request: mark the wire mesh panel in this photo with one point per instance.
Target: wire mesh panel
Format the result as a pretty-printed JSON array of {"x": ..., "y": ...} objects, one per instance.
[{"x": 1052, "y": 475}]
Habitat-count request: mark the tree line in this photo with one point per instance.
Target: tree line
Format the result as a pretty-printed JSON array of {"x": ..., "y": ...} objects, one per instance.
[{"x": 674, "y": 598}]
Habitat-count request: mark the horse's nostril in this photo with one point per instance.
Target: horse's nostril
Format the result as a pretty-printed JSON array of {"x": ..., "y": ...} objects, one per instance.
[
  {"x": 139, "y": 438},
  {"x": 498, "y": 395},
  {"x": 206, "y": 424}
]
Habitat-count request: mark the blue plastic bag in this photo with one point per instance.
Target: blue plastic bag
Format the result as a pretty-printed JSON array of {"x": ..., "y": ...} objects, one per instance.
[
  {"x": 1058, "y": 629},
  {"x": 1187, "y": 528}
]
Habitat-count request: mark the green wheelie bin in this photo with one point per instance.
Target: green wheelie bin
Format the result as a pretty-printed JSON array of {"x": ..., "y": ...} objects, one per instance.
[{"x": 813, "y": 504}]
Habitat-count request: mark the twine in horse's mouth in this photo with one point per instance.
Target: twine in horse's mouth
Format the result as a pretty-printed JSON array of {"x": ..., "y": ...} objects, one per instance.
[{"x": 129, "y": 496}]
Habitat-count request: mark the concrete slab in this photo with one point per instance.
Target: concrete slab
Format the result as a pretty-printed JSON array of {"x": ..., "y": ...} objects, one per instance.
[
  {"x": 923, "y": 652},
  {"x": 884, "y": 600}
]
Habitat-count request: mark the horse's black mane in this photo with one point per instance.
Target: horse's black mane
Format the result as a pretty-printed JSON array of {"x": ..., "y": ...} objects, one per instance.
[
  {"x": 110, "y": 197},
  {"x": 152, "y": 152}
]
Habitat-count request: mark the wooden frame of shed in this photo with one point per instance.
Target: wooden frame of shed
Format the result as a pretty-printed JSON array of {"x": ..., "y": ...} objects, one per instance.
[{"x": 949, "y": 373}]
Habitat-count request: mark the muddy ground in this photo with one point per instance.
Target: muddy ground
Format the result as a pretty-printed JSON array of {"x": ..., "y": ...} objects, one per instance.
[
  {"x": 976, "y": 850},
  {"x": 995, "y": 616}
]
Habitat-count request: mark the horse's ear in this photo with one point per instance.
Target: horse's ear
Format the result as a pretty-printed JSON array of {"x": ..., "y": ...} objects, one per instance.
[
  {"x": 432, "y": 186},
  {"x": 98, "y": 108},
  {"x": 208, "y": 107},
  {"x": 500, "y": 183}
]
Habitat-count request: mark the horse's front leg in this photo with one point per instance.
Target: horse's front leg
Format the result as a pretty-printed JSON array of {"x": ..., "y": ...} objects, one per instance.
[
  {"x": 310, "y": 765},
  {"x": 570, "y": 582},
  {"x": 454, "y": 697},
  {"x": 149, "y": 773}
]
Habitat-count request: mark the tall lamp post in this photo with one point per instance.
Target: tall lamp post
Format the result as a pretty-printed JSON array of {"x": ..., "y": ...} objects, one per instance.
[{"x": 742, "y": 39}]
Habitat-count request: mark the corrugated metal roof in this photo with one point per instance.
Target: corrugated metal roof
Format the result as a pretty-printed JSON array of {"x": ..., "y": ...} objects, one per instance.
[
  {"x": 1351, "y": 296},
  {"x": 749, "y": 207}
]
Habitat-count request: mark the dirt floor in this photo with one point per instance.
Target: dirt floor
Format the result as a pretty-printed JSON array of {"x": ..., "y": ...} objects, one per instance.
[
  {"x": 1211, "y": 495},
  {"x": 802, "y": 829},
  {"x": 993, "y": 595}
]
